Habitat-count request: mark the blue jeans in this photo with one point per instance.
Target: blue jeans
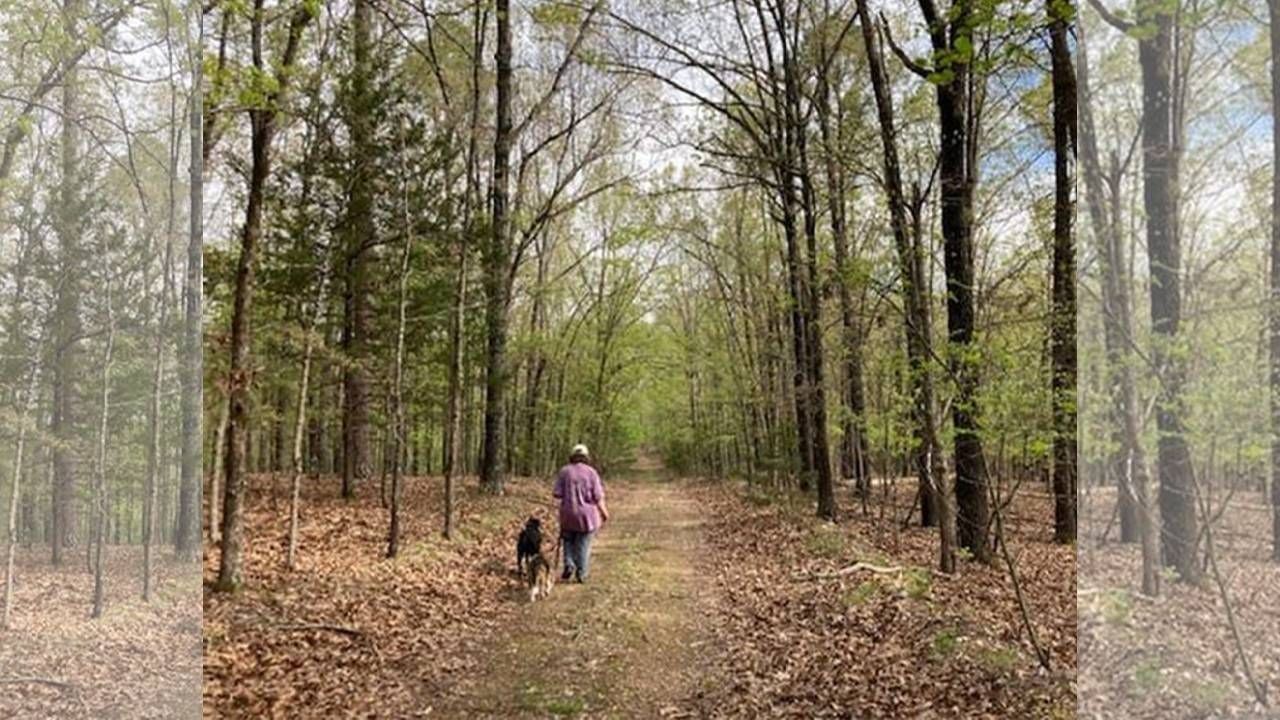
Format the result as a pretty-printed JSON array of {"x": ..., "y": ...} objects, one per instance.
[{"x": 577, "y": 553}]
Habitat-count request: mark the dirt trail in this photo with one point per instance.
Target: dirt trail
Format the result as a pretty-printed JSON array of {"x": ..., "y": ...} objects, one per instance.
[{"x": 625, "y": 644}]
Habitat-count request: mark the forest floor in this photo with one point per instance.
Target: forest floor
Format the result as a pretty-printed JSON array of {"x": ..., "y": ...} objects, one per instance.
[
  {"x": 907, "y": 644},
  {"x": 626, "y": 644},
  {"x": 1174, "y": 656},
  {"x": 139, "y": 660},
  {"x": 692, "y": 610}
]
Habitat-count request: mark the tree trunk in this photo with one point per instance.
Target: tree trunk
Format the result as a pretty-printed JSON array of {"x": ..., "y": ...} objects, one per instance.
[
  {"x": 1128, "y": 464},
  {"x": 1063, "y": 331},
  {"x": 27, "y": 401},
  {"x": 854, "y": 447},
  {"x": 958, "y": 143},
  {"x": 188, "y": 531},
  {"x": 100, "y": 468},
  {"x": 355, "y": 418},
  {"x": 279, "y": 448},
  {"x": 397, "y": 387},
  {"x": 453, "y": 444},
  {"x": 263, "y": 124},
  {"x": 153, "y": 422},
  {"x": 1274, "y": 8},
  {"x": 67, "y": 326},
  {"x": 497, "y": 266},
  {"x": 155, "y": 454},
  {"x": 219, "y": 456},
  {"x": 1160, "y": 186},
  {"x": 917, "y": 320},
  {"x": 304, "y": 387}
]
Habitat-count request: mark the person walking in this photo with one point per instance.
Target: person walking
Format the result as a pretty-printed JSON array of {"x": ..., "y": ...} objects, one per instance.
[{"x": 582, "y": 511}]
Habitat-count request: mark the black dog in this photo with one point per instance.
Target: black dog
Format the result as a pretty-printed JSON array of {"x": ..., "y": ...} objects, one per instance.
[{"x": 529, "y": 544}]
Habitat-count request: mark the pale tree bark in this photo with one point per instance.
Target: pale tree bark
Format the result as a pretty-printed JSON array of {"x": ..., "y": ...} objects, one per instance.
[
  {"x": 28, "y": 401},
  {"x": 397, "y": 387},
  {"x": 188, "y": 531},
  {"x": 453, "y": 447},
  {"x": 100, "y": 465},
  {"x": 300, "y": 423},
  {"x": 1274, "y": 347},
  {"x": 215, "y": 478}
]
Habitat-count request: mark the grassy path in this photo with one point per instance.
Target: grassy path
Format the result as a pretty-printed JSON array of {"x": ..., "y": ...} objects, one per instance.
[{"x": 624, "y": 645}]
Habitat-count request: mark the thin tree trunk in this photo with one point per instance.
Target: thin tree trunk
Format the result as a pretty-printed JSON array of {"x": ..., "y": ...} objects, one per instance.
[
  {"x": 1274, "y": 346},
  {"x": 798, "y": 165},
  {"x": 219, "y": 456},
  {"x": 263, "y": 125},
  {"x": 154, "y": 459},
  {"x": 27, "y": 401},
  {"x": 304, "y": 386},
  {"x": 935, "y": 503},
  {"x": 188, "y": 532},
  {"x": 453, "y": 443},
  {"x": 1128, "y": 463},
  {"x": 853, "y": 449},
  {"x": 100, "y": 466},
  {"x": 397, "y": 390}
]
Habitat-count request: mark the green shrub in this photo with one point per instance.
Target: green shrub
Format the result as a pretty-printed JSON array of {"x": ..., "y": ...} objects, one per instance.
[
  {"x": 945, "y": 642},
  {"x": 917, "y": 583},
  {"x": 1147, "y": 675},
  {"x": 1000, "y": 659},
  {"x": 862, "y": 594},
  {"x": 1117, "y": 607},
  {"x": 826, "y": 541}
]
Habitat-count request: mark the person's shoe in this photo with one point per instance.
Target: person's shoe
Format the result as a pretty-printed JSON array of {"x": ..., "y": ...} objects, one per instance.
[
  {"x": 581, "y": 579},
  {"x": 566, "y": 574}
]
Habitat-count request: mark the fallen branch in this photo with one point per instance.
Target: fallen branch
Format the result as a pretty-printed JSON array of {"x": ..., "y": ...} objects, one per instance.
[
  {"x": 353, "y": 632},
  {"x": 843, "y": 572},
  {"x": 63, "y": 685}
]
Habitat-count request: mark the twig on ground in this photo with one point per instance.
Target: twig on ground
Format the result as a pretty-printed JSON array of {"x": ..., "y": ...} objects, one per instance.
[
  {"x": 61, "y": 684},
  {"x": 856, "y": 567}
]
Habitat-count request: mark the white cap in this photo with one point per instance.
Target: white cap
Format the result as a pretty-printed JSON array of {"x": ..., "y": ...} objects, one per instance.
[{"x": 579, "y": 449}]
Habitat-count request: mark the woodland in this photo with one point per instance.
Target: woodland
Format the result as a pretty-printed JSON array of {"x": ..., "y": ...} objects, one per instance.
[
  {"x": 100, "y": 351},
  {"x": 801, "y": 273},
  {"x": 1179, "y": 554}
]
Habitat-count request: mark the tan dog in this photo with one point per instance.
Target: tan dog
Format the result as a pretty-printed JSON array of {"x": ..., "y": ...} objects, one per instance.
[{"x": 540, "y": 577}]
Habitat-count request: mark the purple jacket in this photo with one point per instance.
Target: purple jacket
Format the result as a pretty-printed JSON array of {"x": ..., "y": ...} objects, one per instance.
[{"x": 580, "y": 492}]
